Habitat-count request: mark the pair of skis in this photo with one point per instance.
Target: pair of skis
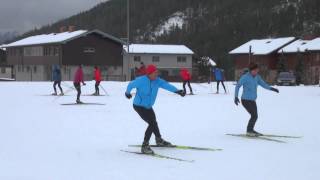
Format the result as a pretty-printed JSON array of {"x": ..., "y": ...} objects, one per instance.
[
  {"x": 68, "y": 104},
  {"x": 173, "y": 146},
  {"x": 266, "y": 137}
]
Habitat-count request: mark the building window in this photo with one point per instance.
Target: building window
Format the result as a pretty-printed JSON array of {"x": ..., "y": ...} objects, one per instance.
[
  {"x": 155, "y": 59},
  {"x": 28, "y": 68},
  {"x": 33, "y": 51},
  {"x": 89, "y": 50},
  {"x": 181, "y": 59},
  {"x": 35, "y": 69},
  {"x": 56, "y": 51},
  {"x": 3, "y": 70},
  {"x": 137, "y": 59}
]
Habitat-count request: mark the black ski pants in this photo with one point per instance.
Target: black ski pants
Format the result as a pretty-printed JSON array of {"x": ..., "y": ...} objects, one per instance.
[
  {"x": 97, "y": 87},
  {"x": 184, "y": 86},
  {"x": 55, "y": 83},
  {"x": 218, "y": 82},
  {"x": 78, "y": 88},
  {"x": 251, "y": 107},
  {"x": 149, "y": 117}
]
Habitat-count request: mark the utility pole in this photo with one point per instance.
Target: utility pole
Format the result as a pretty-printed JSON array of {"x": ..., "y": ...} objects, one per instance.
[{"x": 128, "y": 38}]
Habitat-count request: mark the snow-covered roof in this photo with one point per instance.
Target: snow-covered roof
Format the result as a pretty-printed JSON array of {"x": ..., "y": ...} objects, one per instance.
[
  {"x": 57, "y": 38},
  {"x": 296, "y": 46},
  {"x": 158, "y": 49},
  {"x": 2, "y": 47},
  {"x": 313, "y": 45},
  {"x": 262, "y": 46}
]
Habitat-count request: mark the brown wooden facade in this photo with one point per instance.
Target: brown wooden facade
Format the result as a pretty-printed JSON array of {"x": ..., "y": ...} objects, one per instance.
[
  {"x": 309, "y": 62},
  {"x": 90, "y": 49},
  {"x": 267, "y": 65},
  {"x": 2, "y": 56}
]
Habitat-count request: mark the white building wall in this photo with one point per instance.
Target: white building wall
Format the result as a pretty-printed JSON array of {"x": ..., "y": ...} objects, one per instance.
[{"x": 167, "y": 62}]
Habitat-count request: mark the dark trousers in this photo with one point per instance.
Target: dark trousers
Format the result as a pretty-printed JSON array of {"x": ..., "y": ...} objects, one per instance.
[
  {"x": 97, "y": 86},
  {"x": 218, "y": 82},
  {"x": 55, "y": 83},
  {"x": 78, "y": 88},
  {"x": 184, "y": 86},
  {"x": 149, "y": 117},
  {"x": 251, "y": 107}
]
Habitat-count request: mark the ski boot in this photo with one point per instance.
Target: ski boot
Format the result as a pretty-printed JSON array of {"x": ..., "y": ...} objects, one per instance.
[
  {"x": 54, "y": 94},
  {"x": 61, "y": 94},
  {"x": 161, "y": 142},
  {"x": 253, "y": 133},
  {"x": 79, "y": 102},
  {"x": 145, "y": 148}
]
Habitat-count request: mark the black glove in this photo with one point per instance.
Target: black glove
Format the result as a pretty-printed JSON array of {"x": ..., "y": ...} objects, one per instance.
[
  {"x": 181, "y": 93},
  {"x": 129, "y": 96},
  {"x": 236, "y": 101},
  {"x": 274, "y": 89},
  {"x": 84, "y": 83}
]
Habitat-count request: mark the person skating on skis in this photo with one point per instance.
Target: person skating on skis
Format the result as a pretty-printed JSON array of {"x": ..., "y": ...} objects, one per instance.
[
  {"x": 56, "y": 77},
  {"x": 78, "y": 78},
  {"x": 250, "y": 82},
  {"x": 97, "y": 78},
  {"x": 147, "y": 87},
  {"x": 186, "y": 78},
  {"x": 218, "y": 74}
]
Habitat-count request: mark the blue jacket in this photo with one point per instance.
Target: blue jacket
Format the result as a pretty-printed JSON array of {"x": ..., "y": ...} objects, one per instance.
[
  {"x": 218, "y": 74},
  {"x": 56, "y": 73},
  {"x": 250, "y": 85},
  {"x": 147, "y": 90}
]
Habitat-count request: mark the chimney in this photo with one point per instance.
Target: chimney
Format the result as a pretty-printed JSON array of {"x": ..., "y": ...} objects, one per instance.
[
  {"x": 71, "y": 28},
  {"x": 62, "y": 29},
  {"x": 308, "y": 37}
]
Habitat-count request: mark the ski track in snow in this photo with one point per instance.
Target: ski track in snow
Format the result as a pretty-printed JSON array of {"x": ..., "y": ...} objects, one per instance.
[{"x": 42, "y": 140}]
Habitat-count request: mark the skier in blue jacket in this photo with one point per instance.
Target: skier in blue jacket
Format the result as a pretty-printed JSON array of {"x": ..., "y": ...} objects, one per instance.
[
  {"x": 250, "y": 82},
  {"x": 147, "y": 87},
  {"x": 218, "y": 74},
  {"x": 56, "y": 77}
]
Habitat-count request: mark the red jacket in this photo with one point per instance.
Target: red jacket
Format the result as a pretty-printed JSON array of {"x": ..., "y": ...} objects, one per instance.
[
  {"x": 97, "y": 75},
  {"x": 185, "y": 75},
  {"x": 78, "y": 77}
]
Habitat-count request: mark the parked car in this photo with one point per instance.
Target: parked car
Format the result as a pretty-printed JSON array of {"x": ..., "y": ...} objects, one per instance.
[{"x": 286, "y": 79}]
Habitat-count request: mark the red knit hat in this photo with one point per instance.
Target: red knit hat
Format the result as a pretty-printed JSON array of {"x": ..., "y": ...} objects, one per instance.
[{"x": 151, "y": 69}]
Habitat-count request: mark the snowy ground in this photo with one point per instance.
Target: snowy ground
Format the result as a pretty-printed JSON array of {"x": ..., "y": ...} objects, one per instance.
[{"x": 42, "y": 140}]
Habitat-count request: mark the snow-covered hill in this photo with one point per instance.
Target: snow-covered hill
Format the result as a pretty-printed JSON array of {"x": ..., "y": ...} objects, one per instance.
[{"x": 42, "y": 140}]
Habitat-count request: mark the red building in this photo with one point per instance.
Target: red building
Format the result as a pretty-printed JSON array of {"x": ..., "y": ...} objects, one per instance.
[
  {"x": 303, "y": 56},
  {"x": 263, "y": 52}
]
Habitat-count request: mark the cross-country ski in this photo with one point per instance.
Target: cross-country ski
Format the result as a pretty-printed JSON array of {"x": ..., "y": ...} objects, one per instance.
[
  {"x": 156, "y": 155},
  {"x": 182, "y": 147}
]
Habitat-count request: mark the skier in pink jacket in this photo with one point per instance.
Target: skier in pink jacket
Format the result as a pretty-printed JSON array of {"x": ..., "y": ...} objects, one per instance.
[{"x": 78, "y": 78}]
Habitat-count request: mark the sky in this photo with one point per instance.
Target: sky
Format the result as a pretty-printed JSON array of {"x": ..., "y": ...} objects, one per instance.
[{"x": 23, "y": 15}]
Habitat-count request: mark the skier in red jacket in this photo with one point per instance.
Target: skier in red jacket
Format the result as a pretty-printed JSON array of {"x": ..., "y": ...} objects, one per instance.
[
  {"x": 78, "y": 78},
  {"x": 186, "y": 77},
  {"x": 142, "y": 69},
  {"x": 97, "y": 78}
]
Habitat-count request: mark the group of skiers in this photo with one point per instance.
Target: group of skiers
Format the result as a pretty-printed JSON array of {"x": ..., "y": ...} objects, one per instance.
[
  {"x": 78, "y": 79},
  {"x": 147, "y": 87},
  {"x": 148, "y": 83}
]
